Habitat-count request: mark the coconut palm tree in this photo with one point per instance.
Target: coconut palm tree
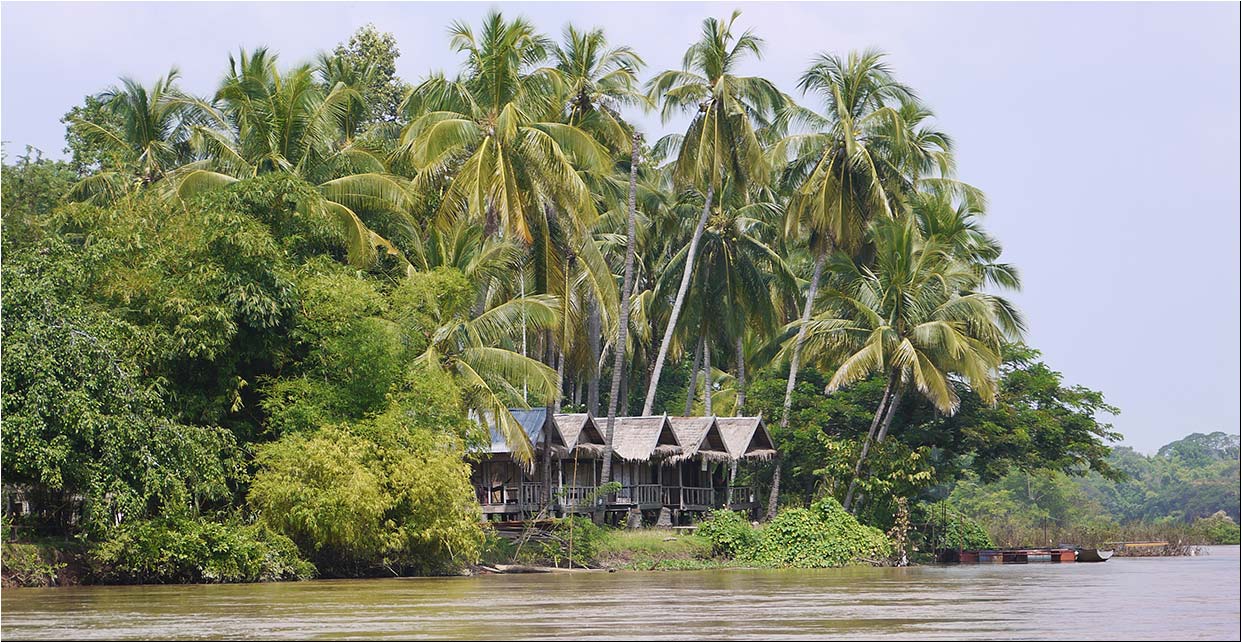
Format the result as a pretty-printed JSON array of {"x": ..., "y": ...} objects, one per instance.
[
  {"x": 472, "y": 349},
  {"x": 721, "y": 142},
  {"x": 847, "y": 167},
  {"x": 264, "y": 120},
  {"x": 152, "y": 137},
  {"x": 598, "y": 82},
  {"x": 915, "y": 317},
  {"x": 738, "y": 273}
]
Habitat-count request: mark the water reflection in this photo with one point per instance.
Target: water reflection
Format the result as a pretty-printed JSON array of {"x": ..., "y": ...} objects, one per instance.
[{"x": 1122, "y": 599}]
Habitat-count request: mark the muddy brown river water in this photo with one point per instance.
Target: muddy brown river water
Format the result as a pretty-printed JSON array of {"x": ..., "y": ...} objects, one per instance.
[{"x": 1136, "y": 598}]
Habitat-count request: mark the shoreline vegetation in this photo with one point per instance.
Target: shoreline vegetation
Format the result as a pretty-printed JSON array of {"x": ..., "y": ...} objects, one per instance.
[{"x": 262, "y": 335}]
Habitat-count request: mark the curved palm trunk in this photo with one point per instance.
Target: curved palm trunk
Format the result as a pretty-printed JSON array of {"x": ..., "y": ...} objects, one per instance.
[
  {"x": 707, "y": 379},
  {"x": 741, "y": 381},
  {"x": 593, "y": 340},
  {"x": 796, "y": 357},
  {"x": 887, "y": 402},
  {"x": 678, "y": 302},
  {"x": 794, "y": 360},
  {"x": 693, "y": 387},
  {"x": 623, "y": 323}
]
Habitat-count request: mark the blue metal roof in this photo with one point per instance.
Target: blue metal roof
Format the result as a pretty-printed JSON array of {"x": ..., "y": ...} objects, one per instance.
[{"x": 533, "y": 422}]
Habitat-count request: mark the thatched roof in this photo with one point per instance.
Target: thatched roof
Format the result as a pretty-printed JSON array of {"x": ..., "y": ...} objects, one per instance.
[
  {"x": 582, "y": 434},
  {"x": 641, "y": 438},
  {"x": 534, "y": 422},
  {"x": 699, "y": 436},
  {"x": 747, "y": 437}
]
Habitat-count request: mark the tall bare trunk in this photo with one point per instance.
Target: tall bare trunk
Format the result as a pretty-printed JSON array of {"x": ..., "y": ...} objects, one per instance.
[
  {"x": 886, "y": 401},
  {"x": 593, "y": 341},
  {"x": 693, "y": 386},
  {"x": 623, "y": 322},
  {"x": 707, "y": 379},
  {"x": 888, "y": 417},
  {"x": 741, "y": 379},
  {"x": 678, "y": 302},
  {"x": 796, "y": 356},
  {"x": 794, "y": 360}
]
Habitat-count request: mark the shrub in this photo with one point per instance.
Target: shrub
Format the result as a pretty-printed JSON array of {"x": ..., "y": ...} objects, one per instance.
[
  {"x": 728, "y": 532},
  {"x": 586, "y": 538},
  {"x": 950, "y": 528},
  {"x": 1217, "y": 529},
  {"x": 823, "y": 536},
  {"x": 24, "y": 565},
  {"x": 187, "y": 550}
]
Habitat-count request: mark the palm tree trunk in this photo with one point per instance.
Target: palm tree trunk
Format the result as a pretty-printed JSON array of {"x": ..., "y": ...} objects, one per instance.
[
  {"x": 775, "y": 494},
  {"x": 593, "y": 341},
  {"x": 678, "y": 302},
  {"x": 693, "y": 386},
  {"x": 888, "y": 417},
  {"x": 793, "y": 373},
  {"x": 741, "y": 381},
  {"x": 880, "y": 413},
  {"x": 796, "y": 357},
  {"x": 560, "y": 378},
  {"x": 623, "y": 323},
  {"x": 707, "y": 379}
]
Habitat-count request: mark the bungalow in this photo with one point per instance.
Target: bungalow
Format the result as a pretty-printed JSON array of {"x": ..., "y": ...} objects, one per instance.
[
  {"x": 696, "y": 480},
  {"x": 684, "y": 465},
  {"x": 639, "y": 445},
  {"x": 748, "y": 440}
]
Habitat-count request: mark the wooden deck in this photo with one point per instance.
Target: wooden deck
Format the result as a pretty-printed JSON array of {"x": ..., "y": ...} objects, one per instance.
[{"x": 528, "y": 498}]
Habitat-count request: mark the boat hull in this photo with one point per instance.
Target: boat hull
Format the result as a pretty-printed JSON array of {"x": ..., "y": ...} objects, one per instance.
[{"x": 1094, "y": 555}]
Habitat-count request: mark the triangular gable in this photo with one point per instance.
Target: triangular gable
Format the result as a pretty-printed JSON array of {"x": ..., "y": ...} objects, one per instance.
[{"x": 534, "y": 423}]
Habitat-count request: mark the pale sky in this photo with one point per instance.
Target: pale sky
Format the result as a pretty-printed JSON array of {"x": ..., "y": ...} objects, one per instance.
[{"x": 1105, "y": 135}]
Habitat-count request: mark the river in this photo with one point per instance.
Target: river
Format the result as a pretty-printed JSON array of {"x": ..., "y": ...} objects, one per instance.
[{"x": 1125, "y": 598}]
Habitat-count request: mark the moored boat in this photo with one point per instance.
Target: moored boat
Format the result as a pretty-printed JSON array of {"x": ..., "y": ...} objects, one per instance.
[{"x": 1093, "y": 555}]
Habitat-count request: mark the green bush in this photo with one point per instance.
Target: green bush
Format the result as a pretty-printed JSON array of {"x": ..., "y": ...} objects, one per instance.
[
  {"x": 585, "y": 536},
  {"x": 187, "y": 550},
  {"x": 25, "y": 565},
  {"x": 1218, "y": 529},
  {"x": 728, "y": 532},
  {"x": 823, "y": 536},
  {"x": 946, "y": 527}
]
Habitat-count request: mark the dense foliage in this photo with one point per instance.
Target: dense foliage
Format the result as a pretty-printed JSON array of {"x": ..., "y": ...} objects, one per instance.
[
  {"x": 824, "y": 535},
  {"x": 188, "y": 550},
  {"x": 1187, "y": 491}
]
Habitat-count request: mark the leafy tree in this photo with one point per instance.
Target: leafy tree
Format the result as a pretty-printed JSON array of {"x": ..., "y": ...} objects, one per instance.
[
  {"x": 372, "y": 54},
  {"x": 80, "y": 419}
]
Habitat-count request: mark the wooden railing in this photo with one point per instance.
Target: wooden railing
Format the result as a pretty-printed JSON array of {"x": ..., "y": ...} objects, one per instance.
[
  {"x": 532, "y": 494},
  {"x": 637, "y": 494},
  {"x": 576, "y": 496},
  {"x": 700, "y": 496},
  {"x": 740, "y": 495}
]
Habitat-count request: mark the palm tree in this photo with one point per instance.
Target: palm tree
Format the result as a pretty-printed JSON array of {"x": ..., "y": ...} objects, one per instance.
[
  {"x": 495, "y": 130},
  {"x": 598, "y": 82},
  {"x": 494, "y": 137},
  {"x": 152, "y": 137},
  {"x": 846, "y": 168},
  {"x": 493, "y": 378},
  {"x": 916, "y": 318},
  {"x": 267, "y": 121},
  {"x": 737, "y": 275},
  {"x": 721, "y": 141}
]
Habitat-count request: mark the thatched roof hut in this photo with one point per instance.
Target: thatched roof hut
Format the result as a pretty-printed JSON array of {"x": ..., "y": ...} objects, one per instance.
[
  {"x": 583, "y": 436},
  {"x": 642, "y": 438},
  {"x": 699, "y": 436},
  {"x": 534, "y": 422},
  {"x": 747, "y": 437}
]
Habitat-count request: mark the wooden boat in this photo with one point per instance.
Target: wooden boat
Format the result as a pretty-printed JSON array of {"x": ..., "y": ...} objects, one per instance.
[{"x": 1092, "y": 555}]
